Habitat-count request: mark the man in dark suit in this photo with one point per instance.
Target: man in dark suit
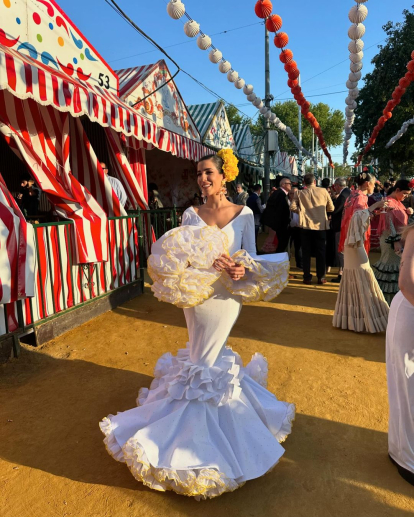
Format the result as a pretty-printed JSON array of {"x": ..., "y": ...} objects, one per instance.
[
  {"x": 277, "y": 214},
  {"x": 336, "y": 218}
]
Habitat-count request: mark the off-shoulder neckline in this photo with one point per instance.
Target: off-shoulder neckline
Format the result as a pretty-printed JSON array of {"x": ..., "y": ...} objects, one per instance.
[{"x": 212, "y": 225}]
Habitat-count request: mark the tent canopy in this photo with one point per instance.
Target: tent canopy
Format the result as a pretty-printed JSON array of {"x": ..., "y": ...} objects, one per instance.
[{"x": 213, "y": 125}]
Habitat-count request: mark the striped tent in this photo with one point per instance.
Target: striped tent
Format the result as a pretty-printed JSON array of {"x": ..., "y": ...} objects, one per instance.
[{"x": 213, "y": 125}]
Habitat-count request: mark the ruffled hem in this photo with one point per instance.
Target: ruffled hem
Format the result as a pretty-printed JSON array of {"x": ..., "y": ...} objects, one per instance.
[
  {"x": 204, "y": 483},
  {"x": 181, "y": 268}
]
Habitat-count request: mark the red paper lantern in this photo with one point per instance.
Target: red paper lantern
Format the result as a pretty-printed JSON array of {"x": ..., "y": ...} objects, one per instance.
[
  {"x": 410, "y": 66},
  {"x": 410, "y": 76},
  {"x": 274, "y": 23},
  {"x": 263, "y": 8},
  {"x": 294, "y": 74},
  {"x": 296, "y": 90},
  {"x": 387, "y": 114},
  {"x": 390, "y": 105},
  {"x": 286, "y": 56},
  {"x": 306, "y": 105},
  {"x": 291, "y": 67},
  {"x": 292, "y": 83},
  {"x": 404, "y": 82},
  {"x": 412, "y": 54},
  {"x": 281, "y": 40}
]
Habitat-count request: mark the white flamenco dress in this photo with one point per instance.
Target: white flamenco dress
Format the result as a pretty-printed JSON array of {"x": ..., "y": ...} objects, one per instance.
[{"x": 207, "y": 424}]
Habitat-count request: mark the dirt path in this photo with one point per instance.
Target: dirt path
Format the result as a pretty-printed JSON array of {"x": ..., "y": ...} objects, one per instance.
[{"x": 53, "y": 462}]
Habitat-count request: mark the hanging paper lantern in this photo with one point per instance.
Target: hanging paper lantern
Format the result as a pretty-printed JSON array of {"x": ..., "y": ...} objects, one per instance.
[
  {"x": 258, "y": 103},
  {"x": 353, "y": 93},
  {"x": 351, "y": 85},
  {"x": 290, "y": 67},
  {"x": 274, "y": 23},
  {"x": 412, "y": 54},
  {"x": 232, "y": 76},
  {"x": 355, "y": 76},
  {"x": 390, "y": 105},
  {"x": 356, "y": 58},
  {"x": 356, "y": 46},
  {"x": 292, "y": 83},
  {"x": 239, "y": 83},
  {"x": 248, "y": 89},
  {"x": 356, "y": 67},
  {"x": 263, "y": 109},
  {"x": 294, "y": 74},
  {"x": 176, "y": 9},
  {"x": 358, "y": 14},
  {"x": 251, "y": 97},
  {"x": 286, "y": 56},
  {"x": 296, "y": 90},
  {"x": 263, "y": 8},
  {"x": 387, "y": 114},
  {"x": 281, "y": 40},
  {"x": 268, "y": 114},
  {"x": 410, "y": 66},
  {"x": 356, "y": 31},
  {"x": 203, "y": 42},
  {"x": 215, "y": 56},
  {"x": 224, "y": 66},
  {"x": 191, "y": 28},
  {"x": 306, "y": 106}
]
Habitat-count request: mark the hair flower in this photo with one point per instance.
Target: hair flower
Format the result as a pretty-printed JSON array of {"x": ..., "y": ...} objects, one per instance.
[{"x": 230, "y": 168}]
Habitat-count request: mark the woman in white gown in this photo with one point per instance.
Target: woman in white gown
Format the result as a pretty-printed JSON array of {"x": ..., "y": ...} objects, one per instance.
[{"x": 207, "y": 424}]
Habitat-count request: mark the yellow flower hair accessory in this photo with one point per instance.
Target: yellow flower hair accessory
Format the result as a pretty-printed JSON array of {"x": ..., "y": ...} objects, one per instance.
[{"x": 230, "y": 168}]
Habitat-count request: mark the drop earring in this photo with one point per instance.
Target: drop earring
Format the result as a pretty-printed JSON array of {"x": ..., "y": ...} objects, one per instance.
[{"x": 223, "y": 189}]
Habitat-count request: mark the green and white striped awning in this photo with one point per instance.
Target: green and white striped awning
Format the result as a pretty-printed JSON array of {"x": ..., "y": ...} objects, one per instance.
[{"x": 203, "y": 115}]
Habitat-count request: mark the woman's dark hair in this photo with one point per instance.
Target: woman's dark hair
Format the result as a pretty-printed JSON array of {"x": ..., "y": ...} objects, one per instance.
[
  {"x": 401, "y": 185},
  {"x": 326, "y": 182},
  {"x": 218, "y": 162},
  {"x": 362, "y": 177}
]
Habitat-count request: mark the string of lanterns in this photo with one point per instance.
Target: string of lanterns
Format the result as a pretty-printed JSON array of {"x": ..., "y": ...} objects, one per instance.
[
  {"x": 176, "y": 9},
  {"x": 399, "y": 91},
  {"x": 357, "y": 15},
  {"x": 263, "y": 9},
  {"x": 401, "y": 132}
]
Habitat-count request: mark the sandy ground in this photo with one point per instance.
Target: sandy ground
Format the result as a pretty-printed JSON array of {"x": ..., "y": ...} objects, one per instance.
[{"x": 53, "y": 461}]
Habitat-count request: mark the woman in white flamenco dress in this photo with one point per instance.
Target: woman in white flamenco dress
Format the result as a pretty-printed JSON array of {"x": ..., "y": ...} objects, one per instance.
[{"x": 207, "y": 424}]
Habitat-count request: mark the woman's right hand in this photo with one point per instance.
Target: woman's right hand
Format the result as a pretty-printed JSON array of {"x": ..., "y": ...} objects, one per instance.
[
  {"x": 378, "y": 205},
  {"x": 223, "y": 262}
]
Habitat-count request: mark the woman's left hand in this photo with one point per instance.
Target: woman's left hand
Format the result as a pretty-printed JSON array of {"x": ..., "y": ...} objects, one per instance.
[
  {"x": 236, "y": 272},
  {"x": 410, "y": 211},
  {"x": 398, "y": 248}
]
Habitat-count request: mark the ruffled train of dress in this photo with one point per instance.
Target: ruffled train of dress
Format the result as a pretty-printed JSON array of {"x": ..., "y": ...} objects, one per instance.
[{"x": 201, "y": 431}]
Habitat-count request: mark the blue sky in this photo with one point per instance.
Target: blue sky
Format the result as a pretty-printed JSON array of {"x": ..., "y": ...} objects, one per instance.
[{"x": 317, "y": 32}]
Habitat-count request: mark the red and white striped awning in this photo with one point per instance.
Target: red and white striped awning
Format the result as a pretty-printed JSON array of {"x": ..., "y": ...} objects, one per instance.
[{"x": 26, "y": 78}]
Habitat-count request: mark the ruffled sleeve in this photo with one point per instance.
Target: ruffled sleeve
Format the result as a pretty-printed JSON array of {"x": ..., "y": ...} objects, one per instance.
[
  {"x": 180, "y": 264},
  {"x": 357, "y": 229},
  {"x": 266, "y": 275}
]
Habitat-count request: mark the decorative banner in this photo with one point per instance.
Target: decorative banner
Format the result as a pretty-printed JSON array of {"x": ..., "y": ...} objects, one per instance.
[
  {"x": 263, "y": 9},
  {"x": 42, "y": 30},
  {"x": 401, "y": 132},
  {"x": 357, "y": 15},
  {"x": 399, "y": 91},
  {"x": 176, "y": 9}
]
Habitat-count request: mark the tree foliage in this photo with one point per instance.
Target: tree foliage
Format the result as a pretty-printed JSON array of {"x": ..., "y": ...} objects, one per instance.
[
  {"x": 331, "y": 121},
  {"x": 389, "y": 66}
]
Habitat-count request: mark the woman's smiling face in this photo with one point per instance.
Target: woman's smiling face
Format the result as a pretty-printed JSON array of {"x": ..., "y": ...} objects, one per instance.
[{"x": 209, "y": 178}]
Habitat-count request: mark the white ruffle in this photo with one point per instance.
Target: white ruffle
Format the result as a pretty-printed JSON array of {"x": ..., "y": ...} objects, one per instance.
[
  {"x": 181, "y": 268},
  {"x": 258, "y": 369}
]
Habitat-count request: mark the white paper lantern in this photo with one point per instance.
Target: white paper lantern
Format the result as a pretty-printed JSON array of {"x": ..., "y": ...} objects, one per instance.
[
  {"x": 358, "y": 13},
  {"x": 204, "y": 42},
  {"x": 251, "y": 97},
  {"x": 273, "y": 117},
  {"x": 176, "y": 9},
  {"x": 248, "y": 89},
  {"x": 232, "y": 76},
  {"x": 258, "y": 102},
  {"x": 354, "y": 93},
  {"x": 356, "y": 67},
  {"x": 351, "y": 103},
  {"x": 215, "y": 56},
  {"x": 282, "y": 126},
  {"x": 361, "y": 1},
  {"x": 351, "y": 84},
  {"x": 356, "y": 58},
  {"x": 268, "y": 114},
  {"x": 356, "y": 46},
  {"x": 264, "y": 109},
  {"x": 224, "y": 66},
  {"x": 191, "y": 28},
  {"x": 239, "y": 83},
  {"x": 355, "y": 76},
  {"x": 356, "y": 31},
  {"x": 349, "y": 111}
]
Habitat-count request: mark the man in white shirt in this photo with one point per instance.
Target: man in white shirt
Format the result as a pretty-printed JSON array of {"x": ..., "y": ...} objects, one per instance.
[{"x": 117, "y": 186}]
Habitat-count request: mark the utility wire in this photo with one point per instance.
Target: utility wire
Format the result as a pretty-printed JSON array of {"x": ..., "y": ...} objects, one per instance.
[
  {"x": 123, "y": 15},
  {"x": 184, "y": 42}
]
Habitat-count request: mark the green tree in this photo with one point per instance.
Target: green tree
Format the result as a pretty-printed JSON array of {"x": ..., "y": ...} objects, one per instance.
[
  {"x": 331, "y": 122},
  {"x": 234, "y": 115},
  {"x": 389, "y": 66}
]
